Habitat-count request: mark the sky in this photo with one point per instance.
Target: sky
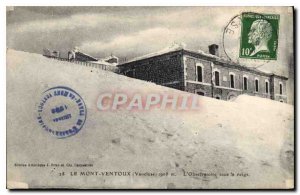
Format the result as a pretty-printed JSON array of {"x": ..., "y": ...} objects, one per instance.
[
  {"x": 99, "y": 31},
  {"x": 129, "y": 32}
]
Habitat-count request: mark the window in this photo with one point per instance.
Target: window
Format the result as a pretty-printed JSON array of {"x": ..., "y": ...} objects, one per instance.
[
  {"x": 231, "y": 81},
  {"x": 280, "y": 88},
  {"x": 267, "y": 87},
  {"x": 218, "y": 97},
  {"x": 256, "y": 85},
  {"x": 217, "y": 78},
  {"x": 200, "y": 93},
  {"x": 245, "y": 83},
  {"x": 199, "y": 73}
]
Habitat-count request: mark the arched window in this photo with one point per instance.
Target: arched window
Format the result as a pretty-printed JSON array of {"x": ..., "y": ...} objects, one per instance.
[
  {"x": 232, "y": 83},
  {"x": 217, "y": 78},
  {"x": 245, "y": 82},
  {"x": 199, "y": 72},
  {"x": 267, "y": 86},
  {"x": 200, "y": 92},
  {"x": 256, "y": 85},
  {"x": 218, "y": 97},
  {"x": 280, "y": 88}
]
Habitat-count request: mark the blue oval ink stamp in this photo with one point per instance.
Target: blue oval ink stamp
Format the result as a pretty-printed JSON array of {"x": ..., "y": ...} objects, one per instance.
[{"x": 61, "y": 112}]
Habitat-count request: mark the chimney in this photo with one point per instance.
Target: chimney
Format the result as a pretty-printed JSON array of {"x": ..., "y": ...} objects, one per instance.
[{"x": 214, "y": 49}]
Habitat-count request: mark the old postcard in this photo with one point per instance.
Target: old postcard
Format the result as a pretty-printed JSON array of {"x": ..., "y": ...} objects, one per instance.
[{"x": 150, "y": 97}]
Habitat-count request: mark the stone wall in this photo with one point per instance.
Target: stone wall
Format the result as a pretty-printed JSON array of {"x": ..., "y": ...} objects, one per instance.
[
  {"x": 224, "y": 90},
  {"x": 164, "y": 70}
]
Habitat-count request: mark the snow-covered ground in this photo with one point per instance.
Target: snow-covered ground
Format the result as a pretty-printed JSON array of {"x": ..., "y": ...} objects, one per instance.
[{"x": 251, "y": 136}]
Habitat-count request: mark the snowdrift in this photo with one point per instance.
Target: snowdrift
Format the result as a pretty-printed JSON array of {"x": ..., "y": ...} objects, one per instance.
[{"x": 250, "y": 137}]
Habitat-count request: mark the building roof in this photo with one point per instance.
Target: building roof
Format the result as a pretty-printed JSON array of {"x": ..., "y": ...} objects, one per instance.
[
  {"x": 172, "y": 48},
  {"x": 87, "y": 55}
]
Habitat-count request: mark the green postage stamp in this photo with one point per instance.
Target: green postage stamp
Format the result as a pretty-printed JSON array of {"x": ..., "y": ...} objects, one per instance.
[{"x": 259, "y": 36}]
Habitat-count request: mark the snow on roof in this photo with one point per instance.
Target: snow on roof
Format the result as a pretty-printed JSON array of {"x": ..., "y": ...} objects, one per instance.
[
  {"x": 109, "y": 57},
  {"x": 86, "y": 55},
  {"x": 173, "y": 47},
  {"x": 205, "y": 54},
  {"x": 102, "y": 62}
]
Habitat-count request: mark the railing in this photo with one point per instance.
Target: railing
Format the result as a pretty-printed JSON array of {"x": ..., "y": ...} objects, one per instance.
[{"x": 110, "y": 68}]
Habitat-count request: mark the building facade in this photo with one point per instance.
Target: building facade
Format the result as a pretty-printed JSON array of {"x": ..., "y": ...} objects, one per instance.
[{"x": 205, "y": 74}]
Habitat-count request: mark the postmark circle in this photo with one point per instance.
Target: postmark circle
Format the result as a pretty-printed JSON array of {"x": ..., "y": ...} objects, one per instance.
[
  {"x": 61, "y": 112},
  {"x": 235, "y": 37}
]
